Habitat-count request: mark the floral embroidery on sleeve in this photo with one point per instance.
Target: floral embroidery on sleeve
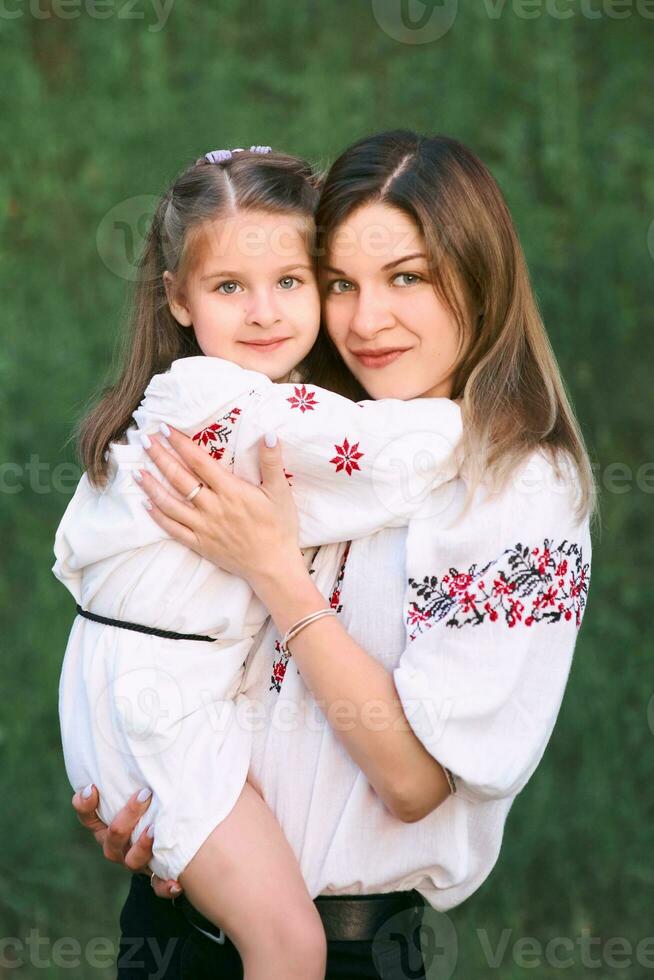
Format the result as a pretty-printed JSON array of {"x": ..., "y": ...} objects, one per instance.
[
  {"x": 216, "y": 436},
  {"x": 303, "y": 399},
  {"x": 347, "y": 456},
  {"x": 523, "y": 586}
]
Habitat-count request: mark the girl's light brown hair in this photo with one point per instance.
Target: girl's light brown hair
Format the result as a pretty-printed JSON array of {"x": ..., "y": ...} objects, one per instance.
[
  {"x": 275, "y": 183},
  {"x": 513, "y": 396}
]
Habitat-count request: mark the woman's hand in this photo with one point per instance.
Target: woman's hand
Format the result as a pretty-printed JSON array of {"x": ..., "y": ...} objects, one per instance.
[
  {"x": 115, "y": 838},
  {"x": 246, "y": 530}
]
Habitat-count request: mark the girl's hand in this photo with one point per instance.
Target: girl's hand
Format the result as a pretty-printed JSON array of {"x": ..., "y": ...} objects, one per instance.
[
  {"x": 115, "y": 838},
  {"x": 249, "y": 531}
]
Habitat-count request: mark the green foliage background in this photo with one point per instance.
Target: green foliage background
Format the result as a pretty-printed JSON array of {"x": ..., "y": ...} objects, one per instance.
[{"x": 94, "y": 112}]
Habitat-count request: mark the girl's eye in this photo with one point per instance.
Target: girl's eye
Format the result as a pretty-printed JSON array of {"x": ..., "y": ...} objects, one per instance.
[
  {"x": 288, "y": 282},
  {"x": 410, "y": 278},
  {"x": 340, "y": 286},
  {"x": 228, "y": 288}
]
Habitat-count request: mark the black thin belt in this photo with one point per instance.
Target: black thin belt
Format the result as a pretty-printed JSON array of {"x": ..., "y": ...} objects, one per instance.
[
  {"x": 150, "y": 630},
  {"x": 344, "y": 917}
]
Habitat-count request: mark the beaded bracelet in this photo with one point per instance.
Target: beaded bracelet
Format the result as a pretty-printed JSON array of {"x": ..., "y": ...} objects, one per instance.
[{"x": 301, "y": 623}]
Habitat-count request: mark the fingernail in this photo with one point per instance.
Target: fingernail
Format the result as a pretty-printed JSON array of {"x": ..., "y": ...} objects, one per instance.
[
  {"x": 270, "y": 439},
  {"x": 147, "y": 504},
  {"x": 144, "y": 795},
  {"x": 150, "y": 831},
  {"x": 137, "y": 475},
  {"x": 145, "y": 439},
  {"x": 175, "y": 890},
  {"x": 164, "y": 428},
  {"x": 86, "y": 792}
]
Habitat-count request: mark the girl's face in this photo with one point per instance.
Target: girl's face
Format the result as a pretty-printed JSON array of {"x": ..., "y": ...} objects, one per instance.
[
  {"x": 252, "y": 298},
  {"x": 378, "y": 297}
]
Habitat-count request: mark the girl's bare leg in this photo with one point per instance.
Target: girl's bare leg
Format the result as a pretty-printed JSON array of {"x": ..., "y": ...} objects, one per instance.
[{"x": 246, "y": 880}]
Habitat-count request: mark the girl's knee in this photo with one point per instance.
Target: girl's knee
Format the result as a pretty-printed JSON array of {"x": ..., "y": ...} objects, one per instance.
[{"x": 293, "y": 944}]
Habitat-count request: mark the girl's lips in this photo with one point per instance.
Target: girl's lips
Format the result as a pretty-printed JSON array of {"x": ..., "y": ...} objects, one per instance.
[
  {"x": 381, "y": 360},
  {"x": 265, "y": 347}
]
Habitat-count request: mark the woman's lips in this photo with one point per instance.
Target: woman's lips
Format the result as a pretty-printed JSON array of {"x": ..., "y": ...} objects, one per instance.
[
  {"x": 265, "y": 347},
  {"x": 379, "y": 360}
]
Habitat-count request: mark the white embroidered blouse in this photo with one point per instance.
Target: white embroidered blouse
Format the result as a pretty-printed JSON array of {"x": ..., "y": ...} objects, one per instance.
[{"x": 477, "y": 621}]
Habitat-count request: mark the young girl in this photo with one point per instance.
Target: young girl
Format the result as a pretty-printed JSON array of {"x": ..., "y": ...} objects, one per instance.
[{"x": 227, "y": 304}]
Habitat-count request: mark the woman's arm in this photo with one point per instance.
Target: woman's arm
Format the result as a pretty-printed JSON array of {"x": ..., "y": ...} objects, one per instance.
[{"x": 357, "y": 696}]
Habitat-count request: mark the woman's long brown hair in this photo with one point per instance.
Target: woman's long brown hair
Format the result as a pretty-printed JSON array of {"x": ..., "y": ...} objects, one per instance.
[
  {"x": 513, "y": 397},
  {"x": 275, "y": 183}
]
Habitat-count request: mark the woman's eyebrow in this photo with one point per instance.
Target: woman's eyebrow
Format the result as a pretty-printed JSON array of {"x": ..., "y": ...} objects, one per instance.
[
  {"x": 389, "y": 265},
  {"x": 404, "y": 258}
]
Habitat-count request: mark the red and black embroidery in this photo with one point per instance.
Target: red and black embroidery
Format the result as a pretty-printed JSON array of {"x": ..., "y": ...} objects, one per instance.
[
  {"x": 335, "y": 597},
  {"x": 216, "y": 436},
  {"x": 278, "y": 668},
  {"x": 523, "y": 586},
  {"x": 281, "y": 661},
  {"x": 303, "y": 399},
  {"x": 347, "y": 457}
]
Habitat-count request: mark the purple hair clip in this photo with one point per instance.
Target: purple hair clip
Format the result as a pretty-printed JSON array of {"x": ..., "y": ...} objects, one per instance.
[{"x": 220, "y": 156}]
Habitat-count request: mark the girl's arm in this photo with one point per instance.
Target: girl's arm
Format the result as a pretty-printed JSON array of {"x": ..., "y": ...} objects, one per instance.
[{"x": 354, "y": 467}]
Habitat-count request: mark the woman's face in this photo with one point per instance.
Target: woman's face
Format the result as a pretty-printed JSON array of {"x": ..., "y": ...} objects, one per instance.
[{"x": 378, "y": 297}]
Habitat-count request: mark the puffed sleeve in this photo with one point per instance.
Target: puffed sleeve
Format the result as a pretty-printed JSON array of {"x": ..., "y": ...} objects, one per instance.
[
  {"x": 355, "y": 467},
  {"x": 493, "y": 606},
  {"x": 202, "y": 397}
]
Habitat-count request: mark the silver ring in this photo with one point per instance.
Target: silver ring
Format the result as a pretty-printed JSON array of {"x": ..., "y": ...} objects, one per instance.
[
  {"x": 152, "y": 877},
  {"x": 194, "y": 491}
]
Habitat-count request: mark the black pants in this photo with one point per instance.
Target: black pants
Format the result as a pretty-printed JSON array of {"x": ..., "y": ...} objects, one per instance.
[{"x": 157, "y": 943}]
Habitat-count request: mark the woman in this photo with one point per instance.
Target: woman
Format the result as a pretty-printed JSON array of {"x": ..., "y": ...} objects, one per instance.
[{"x": 391, "y": 762}]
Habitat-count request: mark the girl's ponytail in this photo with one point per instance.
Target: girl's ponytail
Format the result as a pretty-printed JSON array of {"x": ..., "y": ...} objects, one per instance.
[{"x": 152, "y": 341}]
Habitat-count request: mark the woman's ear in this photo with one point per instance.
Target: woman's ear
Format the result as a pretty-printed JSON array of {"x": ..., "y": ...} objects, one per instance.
[{"x": 176, "y": 301}]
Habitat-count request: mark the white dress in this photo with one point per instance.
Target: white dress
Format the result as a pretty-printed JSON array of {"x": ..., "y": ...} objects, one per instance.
[
  {"x": 140, "y": 710},
  {"x": 477, "y": 621}
]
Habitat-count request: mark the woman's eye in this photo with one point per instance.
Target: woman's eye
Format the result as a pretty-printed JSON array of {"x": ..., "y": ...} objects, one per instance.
[
  {"x": 228, "y": 288},
  {"x": 410, "y": 278},
  {"x": 340, "y": 286},
  {"x": 288, "y": 282}
]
